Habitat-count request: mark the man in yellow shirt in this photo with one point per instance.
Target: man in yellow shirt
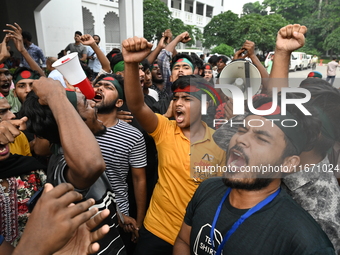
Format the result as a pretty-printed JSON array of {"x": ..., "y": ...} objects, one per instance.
[{"x": 183, "y": 144}]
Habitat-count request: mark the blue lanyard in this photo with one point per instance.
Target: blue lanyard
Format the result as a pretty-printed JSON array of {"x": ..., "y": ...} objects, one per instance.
[{"x": 251, "y": 211}]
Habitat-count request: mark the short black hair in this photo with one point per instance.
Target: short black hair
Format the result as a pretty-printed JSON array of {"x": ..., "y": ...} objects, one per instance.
[
  {"x": 26, "y": 35},
  {"x": 97, "y": 36},
  {"x": 78, "y": 33},
  {"x": 213, "y": 60},
  {"x": 223, "y": 58},
  {"x": 146, "y": 65}
]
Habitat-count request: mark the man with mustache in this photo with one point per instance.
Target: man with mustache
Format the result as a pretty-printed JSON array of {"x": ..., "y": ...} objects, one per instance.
[{"x": 247, "y": 212}]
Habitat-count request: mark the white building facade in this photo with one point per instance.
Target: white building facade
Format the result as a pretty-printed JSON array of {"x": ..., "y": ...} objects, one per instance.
[
  {"x": 195, "y": 12},
  {"x": 55, "y": 22}
]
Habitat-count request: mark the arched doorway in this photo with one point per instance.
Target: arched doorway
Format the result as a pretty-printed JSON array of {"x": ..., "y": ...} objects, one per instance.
[{"x": 112, "y": 31}]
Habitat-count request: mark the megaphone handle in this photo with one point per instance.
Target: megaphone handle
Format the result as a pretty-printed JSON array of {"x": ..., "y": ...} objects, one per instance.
[{"x": 246, "y": 71}]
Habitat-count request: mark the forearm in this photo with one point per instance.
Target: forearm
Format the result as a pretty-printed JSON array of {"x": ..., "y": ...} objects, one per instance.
[
  {"x": 279, "y": 73},
  {"x": 153, "y": 55},
  {"x": 172, "y": 45},
  {"x": 102, "y": 58},
  {"x": 140, "y": 195},
  {"x": 33, "y": 65},
  {"x": 181, "y": 247},
  {"x": 263, "y": 72},
  {"x": 133, "y": 93},
  {"x": 81, "y": 150}
]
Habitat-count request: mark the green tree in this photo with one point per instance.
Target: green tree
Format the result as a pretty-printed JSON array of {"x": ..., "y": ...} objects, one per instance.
[
  {"x": 157, "y": 18},
  {"x": 223, "y": 49},
  {"x": 255, "y": 7},
  {"x": 220, "y": 29},
  {"x": 262, "y": 30},
  {"x": 292, "y": 10},
  {"x": 332, "y": 41}
]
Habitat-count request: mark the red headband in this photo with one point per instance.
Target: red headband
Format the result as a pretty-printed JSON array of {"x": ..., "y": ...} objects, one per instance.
[{"x": 187, "y": 89}]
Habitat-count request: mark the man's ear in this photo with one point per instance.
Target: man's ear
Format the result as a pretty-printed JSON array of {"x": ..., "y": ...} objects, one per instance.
[
  {"x": 290, "y": 164},
  {"x": 119, "y": 103}
]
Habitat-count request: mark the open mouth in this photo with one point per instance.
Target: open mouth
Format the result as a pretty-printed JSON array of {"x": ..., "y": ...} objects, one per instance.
[
  {"x": 98, "y": 97},
  {"x": 4, "y": 150},
  {"x": 6, "y": 87},
  {"x": 159, "y": 75},
  {"x": 236, "y": 159},
  {"x": 142, "y": 82},
  {"x": 179, "y": 115}
]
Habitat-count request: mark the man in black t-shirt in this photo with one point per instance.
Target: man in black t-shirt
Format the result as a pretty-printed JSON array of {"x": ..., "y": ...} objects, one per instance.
[
  {"x": 246, "y": 212},
  {"x": 69, "y": 120}
]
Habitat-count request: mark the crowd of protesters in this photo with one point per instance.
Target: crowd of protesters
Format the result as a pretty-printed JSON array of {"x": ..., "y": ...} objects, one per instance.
[{"x": 145, "y": 152}]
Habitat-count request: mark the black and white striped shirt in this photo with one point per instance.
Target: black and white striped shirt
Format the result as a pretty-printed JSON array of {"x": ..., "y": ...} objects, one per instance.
[{"x": 122, "y": 146}]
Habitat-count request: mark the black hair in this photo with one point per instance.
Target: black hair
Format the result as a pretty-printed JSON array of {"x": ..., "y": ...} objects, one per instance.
[
  {"x": 23, "y": 68},
  {"x": 97, "y": 36},
  {"x": 26, "y": 35},
  {"x": 41, "y": 121},
  {"x": 197, "y": 61},
  {"x": 146, "y": 65},
  {"x": 223, "y": 58},
  {"x": 119, "y": 78},
  {"x": 182, "y": 55},
  {"x": 327, "y": 99},
  {"x": 213, "y": 60},
  {"x": 112, "y": 53},
  {"x": 116, "y": 59},
  {"x": 78, "y": 33}
]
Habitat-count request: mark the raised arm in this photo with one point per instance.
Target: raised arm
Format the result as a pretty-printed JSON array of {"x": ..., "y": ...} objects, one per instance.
[
  {"x": 15, "y": 35},
  {"x": 4, "y": 54},
  {"x": 88, "y": 40},
  {"x": 166, "y": 38},
  {"x": 289, "y": 38},
  {"x": 249, "y": 46},
  {"x": 134, "y": 51},
  {"x": 183, "y": 38},
  {"x": 82, "y": 153}
]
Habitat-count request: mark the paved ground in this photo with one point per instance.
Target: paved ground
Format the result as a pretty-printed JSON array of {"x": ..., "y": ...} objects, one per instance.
[{"x": 298, "y": 76}]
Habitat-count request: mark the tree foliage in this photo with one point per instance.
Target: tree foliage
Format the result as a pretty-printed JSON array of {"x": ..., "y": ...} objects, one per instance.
[
  {"x": 256, "y": 7},
  {"x": 223, "y": 49},
  {"x": 157, "y": 18},
  {"x": 220, "y": 29}
]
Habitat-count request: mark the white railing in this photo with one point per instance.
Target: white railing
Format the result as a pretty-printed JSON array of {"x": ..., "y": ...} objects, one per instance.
[
  {"x": 199, "y": 19},
  {"x": 176, "y": 13},
  {"x": 188, "y": 17},
  {"x": 110, "y": 46}
]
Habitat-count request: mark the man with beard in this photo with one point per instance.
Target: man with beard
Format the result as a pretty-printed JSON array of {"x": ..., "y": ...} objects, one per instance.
[
  {"x": 128, "y": 150},
  {"x": 158, "y": 83},
  {"x": 67, "y": 119},
  {"x": 246, "y": 212}
]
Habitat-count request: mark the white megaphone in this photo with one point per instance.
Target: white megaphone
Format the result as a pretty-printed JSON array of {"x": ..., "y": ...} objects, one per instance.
[
  {"x": 69, "y": 66},
  {"x": 242, "y": 74}
]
